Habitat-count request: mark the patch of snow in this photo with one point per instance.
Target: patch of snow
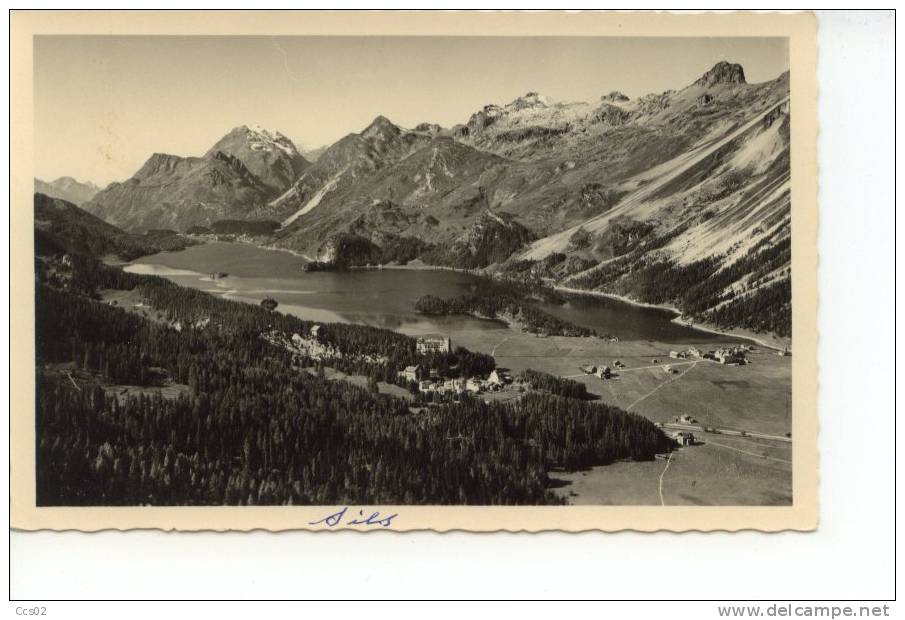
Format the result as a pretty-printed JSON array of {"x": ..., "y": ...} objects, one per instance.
[
  {"x": 759, "y": 152},
  {"x": 276, "y": 202},
  {"x": 734, "y": 241},
  {"x": 639, "y": 201},
  {"x": 263, "y": 139},
  {"x": 316, "y": 199}
]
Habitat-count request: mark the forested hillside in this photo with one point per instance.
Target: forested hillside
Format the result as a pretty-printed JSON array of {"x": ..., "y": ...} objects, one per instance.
[
  {"x": 60, "y": 227},
  {"x": 254, "y": 428}
]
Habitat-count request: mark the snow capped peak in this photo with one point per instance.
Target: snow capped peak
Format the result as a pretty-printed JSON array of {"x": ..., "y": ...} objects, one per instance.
[{"x": 260, "y": 138}]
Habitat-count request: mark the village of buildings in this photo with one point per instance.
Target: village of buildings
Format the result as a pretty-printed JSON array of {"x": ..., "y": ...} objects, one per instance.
[
  {"x": 682, "y": 425},
  {"x": 430, "y": 382},
  {"x": 499, "y": 384},
  {"x": 736, "y": 355},
  {"x": 314, "y": 347}
]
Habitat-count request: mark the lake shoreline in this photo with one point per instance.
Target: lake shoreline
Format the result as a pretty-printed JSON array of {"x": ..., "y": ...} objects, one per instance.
[
  {"x": 622, "y": 298},
  {"x": 769, "y": 341},
  {"x": 256, "y": 270}
]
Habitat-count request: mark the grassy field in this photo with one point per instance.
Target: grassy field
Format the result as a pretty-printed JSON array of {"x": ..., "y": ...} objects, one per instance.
[
  {"x": 722, "y": 469},
  {"x": 707, "y": 474},
  {"x": 131, "y": 301},
  {"x": 81, "y": 379},
  {"x": 362, "y": 381},
  {"x": 755, "y": 397},
  {"x": 169, "y": 391}
]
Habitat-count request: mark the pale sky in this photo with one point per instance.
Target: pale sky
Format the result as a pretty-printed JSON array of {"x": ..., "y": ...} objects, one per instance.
[{"x": 104, "y": 104}]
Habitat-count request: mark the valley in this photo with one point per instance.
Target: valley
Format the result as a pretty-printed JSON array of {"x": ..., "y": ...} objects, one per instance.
[
  {"x": 549, "y": 302},
  {"x": 720, "y": 468},
  {"x": 750, "y": 399},
  {"x": 615, "y": 196}
]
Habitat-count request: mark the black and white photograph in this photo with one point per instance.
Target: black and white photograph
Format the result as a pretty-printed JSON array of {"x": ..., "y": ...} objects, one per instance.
[
  {"x": 381, "y": 270},
  {"x": 412, "y": 305},
  {"x": 371, "y": 274}
]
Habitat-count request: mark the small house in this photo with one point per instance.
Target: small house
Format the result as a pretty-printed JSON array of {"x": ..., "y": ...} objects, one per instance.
[
  {"x": 411, "y": 373},
  {"x": 604, "y": 372},
  {"x": 316, "y": 332},
  {"x": 674, "y": 354},
  {"x": 686, "y": 419},
  {"x": 494, "y": 378},
  {"x": 684, "y": 438}
]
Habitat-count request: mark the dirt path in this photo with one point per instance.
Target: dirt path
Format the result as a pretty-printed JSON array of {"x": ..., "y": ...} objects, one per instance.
[
  {"x": 623, "y": 370},
  {"x": 730, "y": 432},
  {"x": 760, "y": 456},
  {"x": 665, "y": 383},
  {"x": 663, "y": 473},
  {"x": 493, "y": 351},
  {"x": 75, "y": 385},
  {"x": 670, "y": 364}
]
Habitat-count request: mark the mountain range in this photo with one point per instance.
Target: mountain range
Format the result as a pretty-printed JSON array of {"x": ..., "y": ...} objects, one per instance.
[
  {"x": 237, "y": 176},
  {"x": 680, "y": 197},
  {"x": 67, "y": 189}
]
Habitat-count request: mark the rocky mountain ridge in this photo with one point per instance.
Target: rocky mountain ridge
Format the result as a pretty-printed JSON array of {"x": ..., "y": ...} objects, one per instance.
[
  {"x": 236, "y": 178},
  {"x": 67, "y": 188},
  {"x": 690, "y": 179}
]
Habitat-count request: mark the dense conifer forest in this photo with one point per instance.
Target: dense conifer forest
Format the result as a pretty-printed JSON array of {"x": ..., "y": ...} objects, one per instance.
[
  {"x": 700, "y": 289},
  {"x": 560, "y": 386},
  {"x": 254, "y": 428}
]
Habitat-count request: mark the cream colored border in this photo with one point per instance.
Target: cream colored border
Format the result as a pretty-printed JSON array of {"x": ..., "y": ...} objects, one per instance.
[{"x": 799, "y": 27}]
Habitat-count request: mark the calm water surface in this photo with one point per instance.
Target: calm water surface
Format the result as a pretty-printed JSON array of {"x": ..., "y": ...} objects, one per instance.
[{"x": 382, "y": 297}]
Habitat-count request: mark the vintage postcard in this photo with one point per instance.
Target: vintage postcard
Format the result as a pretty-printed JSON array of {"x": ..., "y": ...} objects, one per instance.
[{"x": 413, "y": 271}]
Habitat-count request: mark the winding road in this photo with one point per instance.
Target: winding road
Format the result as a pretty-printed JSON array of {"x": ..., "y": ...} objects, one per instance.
[
  {"x": 667, "y": 382},
  {"x": 663, "y": 473}
]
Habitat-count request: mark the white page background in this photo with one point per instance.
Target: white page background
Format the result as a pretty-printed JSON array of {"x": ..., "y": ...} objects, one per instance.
[{"x": 851, "y": 556}]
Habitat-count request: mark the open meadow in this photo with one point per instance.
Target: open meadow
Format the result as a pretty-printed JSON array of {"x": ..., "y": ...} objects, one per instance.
[{"x": 720, "y": 468}]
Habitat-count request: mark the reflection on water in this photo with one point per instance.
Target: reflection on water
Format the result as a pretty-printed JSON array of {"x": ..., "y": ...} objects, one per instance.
[{"x": 381, "y": 297}]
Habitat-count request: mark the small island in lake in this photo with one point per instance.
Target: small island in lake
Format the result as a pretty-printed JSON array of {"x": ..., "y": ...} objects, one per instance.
[{"x": 507, "y": 308}]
